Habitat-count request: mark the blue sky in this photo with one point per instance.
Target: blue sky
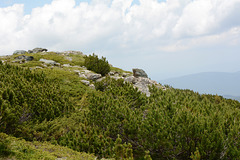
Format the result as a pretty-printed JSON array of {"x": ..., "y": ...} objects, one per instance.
[
  {"x": 30, "y": 4},
  {"x": 165, "y": 38}
]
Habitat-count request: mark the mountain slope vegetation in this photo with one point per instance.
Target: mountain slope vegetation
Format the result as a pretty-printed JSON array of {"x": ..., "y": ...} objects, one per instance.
[{"x": 114, "y": 120}]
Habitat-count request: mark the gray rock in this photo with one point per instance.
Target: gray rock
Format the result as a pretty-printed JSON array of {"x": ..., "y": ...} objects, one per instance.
[
  {"x": 100, "y": 79},
  {"x": 82, "y": 75},
  {"x": 20, "y": 57},
  {"x": 37, "y": 50},
  {"x": 93, "y": 76},
  {"x": 66, "y": 65},
  {"x": 76, "y": 71},
  {"x": 139, "y": 73},
  {"x": 77, "y": 66},
  {"x": 142, "y": 84},
  {"x": 23, "y": 57},
  {"x": 19, "y": 52},
  {"x": 143, "y": 88},
  {"x": 51, "y": 62},
  {"x": 29, "y": 58},
  {"x": 92, "y": 86},
  {"x": 69, "y": 58},
  {"x": 125, "y": 74},
  {"x": 116, "y": 77},
  {"x": 30, "y": 51},
  {"x": 131, "y": 79},
  {"x": 111, "y": 73},
  {"x": 85, "y": 82},
  {"x": 72, "y": 52},
  {"x": 57, "y": 64},
  {"x": 63, "y": 158},
  {"x": 38, "y": 67}
]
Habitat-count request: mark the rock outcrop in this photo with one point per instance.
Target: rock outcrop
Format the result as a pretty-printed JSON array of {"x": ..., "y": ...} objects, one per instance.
[
  {"x": 51, "y": 62},
  {"x": 139, "y": 80},
  {"x": 37, "y": 50},
  {"x": 23, "y": 57},
  {"x": 139, "y": 73},
  {"x": 19, "y": 52},
  {"x": 72, "y": 52},
  {"x": 142, "y": 83}
]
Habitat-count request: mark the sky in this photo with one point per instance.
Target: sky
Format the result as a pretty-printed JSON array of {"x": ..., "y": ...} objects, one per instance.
[{"x": 166, "y": 38}]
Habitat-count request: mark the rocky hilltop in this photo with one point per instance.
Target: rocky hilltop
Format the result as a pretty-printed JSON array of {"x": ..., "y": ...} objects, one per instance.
[
  {"x": 87, "y": 105},
  {"x": 138, "y": 77}
]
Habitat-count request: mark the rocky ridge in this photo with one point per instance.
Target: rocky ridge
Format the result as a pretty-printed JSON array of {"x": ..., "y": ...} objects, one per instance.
[{"x": 138, "y": 78}]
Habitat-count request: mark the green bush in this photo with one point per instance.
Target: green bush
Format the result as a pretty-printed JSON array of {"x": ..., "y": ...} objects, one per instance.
[{"x": 101, "y": 66}]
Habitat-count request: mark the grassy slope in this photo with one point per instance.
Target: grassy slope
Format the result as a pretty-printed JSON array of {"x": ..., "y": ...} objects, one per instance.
[
  {"x": 70, "y": 82},
  {"x": 14, "y": 148},
  {"x": 180, "y": 104}
]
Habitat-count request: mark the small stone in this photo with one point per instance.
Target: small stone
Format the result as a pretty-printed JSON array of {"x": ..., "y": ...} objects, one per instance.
[
  {"x": 85, "y": 82},
  {"x": 82, "y": 75},
  {"x": 124, "y": 74},
  {"x": 93, "y": 76},
  {"x": 69, "y": 58},
  {"x": 100, "y": 79},
  {"x": 66, "y": 65},
  {"x": 57, "y": 64},
  {"x": 111, "y": 73},
  {"x": 92, "y": 86}
]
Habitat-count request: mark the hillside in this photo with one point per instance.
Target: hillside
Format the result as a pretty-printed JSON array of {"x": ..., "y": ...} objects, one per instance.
[
  {"x": 53, "y": 97},
  {"x": 221, "y": 83}
]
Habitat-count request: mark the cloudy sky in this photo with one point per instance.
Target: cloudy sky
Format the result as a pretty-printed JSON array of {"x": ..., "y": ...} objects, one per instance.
[{"x": 166, "y": 38}]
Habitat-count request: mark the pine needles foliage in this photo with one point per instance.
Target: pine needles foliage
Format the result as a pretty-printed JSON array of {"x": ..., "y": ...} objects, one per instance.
[
  {"x": 116, "y": 120},
  {"x": 101, "y": 66}
]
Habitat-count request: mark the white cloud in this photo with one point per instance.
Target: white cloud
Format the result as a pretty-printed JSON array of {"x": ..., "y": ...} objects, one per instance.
[
  {"x": 118, "y": 22},
  {"x": 201, "y": 17},
  {"x": 118, "y": 26}
]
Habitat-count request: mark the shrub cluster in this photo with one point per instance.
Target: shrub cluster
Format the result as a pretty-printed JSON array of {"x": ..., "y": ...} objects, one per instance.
[
  {"x": 116, "y": 120},
  {"x": 101, "y": 66}
]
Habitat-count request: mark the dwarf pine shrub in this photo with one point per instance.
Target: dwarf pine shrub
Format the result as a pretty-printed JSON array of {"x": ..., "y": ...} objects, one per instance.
[{"x": 93, "y": 63}]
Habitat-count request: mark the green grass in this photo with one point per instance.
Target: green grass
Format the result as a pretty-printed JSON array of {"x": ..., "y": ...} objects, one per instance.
[
  {"x": 120, "y": 70},
  {"x": 59, "y": 58},
  {"x": 19, "y": 149}
]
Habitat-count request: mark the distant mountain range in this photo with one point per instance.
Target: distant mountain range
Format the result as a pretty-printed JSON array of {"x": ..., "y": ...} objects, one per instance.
[{"x": 221, "y": 83}]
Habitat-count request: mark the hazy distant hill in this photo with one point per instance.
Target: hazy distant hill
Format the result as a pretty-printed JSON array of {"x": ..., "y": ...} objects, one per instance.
[{"x": 220, "y": 83}]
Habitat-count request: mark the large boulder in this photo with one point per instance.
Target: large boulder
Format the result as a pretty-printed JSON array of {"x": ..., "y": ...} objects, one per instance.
[
  {"x": 37, "y": 50},
  {"x": 19, "y": 52},
  {"x": 139, "y": 73}
]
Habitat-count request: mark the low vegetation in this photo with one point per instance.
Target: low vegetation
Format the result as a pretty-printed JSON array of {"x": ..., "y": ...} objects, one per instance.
[
  {"x": 47, "y": 109},
  {"x": 15, "y": 148},
  {"x": 101, "y": 66}
]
